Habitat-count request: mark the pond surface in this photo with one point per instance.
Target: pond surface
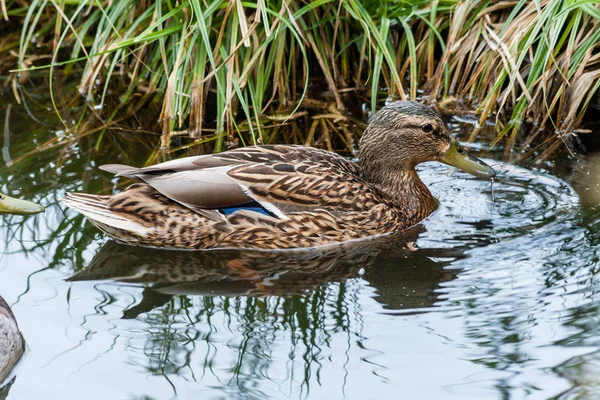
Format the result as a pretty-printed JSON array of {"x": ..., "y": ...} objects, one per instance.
[{"x": 493, "y": 296}]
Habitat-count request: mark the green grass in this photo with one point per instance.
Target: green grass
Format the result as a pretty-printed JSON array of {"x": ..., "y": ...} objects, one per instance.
[{"x": 248, "y": 71}]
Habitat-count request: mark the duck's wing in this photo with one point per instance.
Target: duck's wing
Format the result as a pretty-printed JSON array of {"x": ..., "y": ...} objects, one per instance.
[{"x": 280, "y": 179}]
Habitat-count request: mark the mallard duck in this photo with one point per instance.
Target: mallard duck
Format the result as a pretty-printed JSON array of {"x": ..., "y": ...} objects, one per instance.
[
  {"x": 284, "y": 196},
  {"x": 12, "y": 344},
  {"x": 9, "y": 205}
]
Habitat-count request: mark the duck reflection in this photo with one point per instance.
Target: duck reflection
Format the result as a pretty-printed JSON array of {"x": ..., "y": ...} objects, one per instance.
[
  {"x": 404, "y": 277},
  {"x": 12, "y": 347},
  {"x": 259, "y": 306}
]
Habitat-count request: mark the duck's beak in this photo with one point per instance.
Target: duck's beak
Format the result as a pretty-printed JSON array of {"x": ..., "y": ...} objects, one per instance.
[
  {"x": 8, "y": 205},
  {"x": 458, "y": 157}
]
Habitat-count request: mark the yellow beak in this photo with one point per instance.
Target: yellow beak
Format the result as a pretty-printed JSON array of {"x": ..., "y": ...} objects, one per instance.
[
  {"x": 8, "y": 205},
  {"x": 457, "y": 156}
]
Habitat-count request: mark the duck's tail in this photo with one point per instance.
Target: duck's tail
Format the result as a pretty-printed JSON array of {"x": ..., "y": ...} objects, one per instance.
[{"x": 97, "y": 209}]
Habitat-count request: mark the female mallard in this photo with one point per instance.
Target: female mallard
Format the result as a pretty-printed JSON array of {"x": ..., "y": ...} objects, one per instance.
[
  {"x": 284, "y": 196},
  {"x": 12, "y": 344}
]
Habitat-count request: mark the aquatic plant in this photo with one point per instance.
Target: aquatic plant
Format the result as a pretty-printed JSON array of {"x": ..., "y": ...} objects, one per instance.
[{"x": 252, "y": 71}]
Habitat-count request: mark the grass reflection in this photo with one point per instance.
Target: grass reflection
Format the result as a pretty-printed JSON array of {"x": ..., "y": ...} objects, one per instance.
[
  {"x": 236, "y": 315},
  {"x": 240, "y": 363}
]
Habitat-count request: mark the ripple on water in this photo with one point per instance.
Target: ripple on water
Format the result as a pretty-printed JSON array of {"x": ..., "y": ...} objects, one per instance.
[
  {"x": 518, "y": 202},
  {"x": 528, "y": 272},
  {"x": 515, "y": 226}
]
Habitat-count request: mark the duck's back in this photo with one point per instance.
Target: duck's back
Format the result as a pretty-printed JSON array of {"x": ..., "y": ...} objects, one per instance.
[{"x": 261, "y": 196}]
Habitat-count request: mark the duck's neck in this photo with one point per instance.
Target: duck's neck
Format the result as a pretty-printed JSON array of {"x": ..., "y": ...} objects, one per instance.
[{"x": 405, "y": 190}]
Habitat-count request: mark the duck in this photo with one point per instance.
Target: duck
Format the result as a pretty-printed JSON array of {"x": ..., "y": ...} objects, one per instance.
[
  {"x": 12, "y": 345},
  {"x": 10, "y": 205},
  {"x": 284, "y": 196}
]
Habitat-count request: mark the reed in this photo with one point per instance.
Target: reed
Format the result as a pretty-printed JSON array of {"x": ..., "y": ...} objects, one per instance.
[{"x": 248, "y": 72}]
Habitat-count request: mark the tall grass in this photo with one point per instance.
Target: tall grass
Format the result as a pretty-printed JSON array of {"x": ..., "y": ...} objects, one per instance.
[{"x": 240, "y": 70}]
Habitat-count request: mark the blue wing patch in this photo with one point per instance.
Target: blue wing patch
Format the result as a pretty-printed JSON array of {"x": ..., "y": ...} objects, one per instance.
[{"x": 252, "y": 206}]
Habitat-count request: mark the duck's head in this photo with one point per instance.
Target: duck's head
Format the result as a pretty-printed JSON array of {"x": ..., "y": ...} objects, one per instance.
[
  {"x": 405, "y": 133},
  {"x": 9, "y": 205}
]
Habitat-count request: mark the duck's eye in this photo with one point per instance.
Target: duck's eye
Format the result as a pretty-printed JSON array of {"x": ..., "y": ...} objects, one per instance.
[{"x": 427, "y": 128}]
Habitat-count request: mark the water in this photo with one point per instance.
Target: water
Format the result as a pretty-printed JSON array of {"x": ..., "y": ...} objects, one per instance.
[{"x": 493, "y": 296}]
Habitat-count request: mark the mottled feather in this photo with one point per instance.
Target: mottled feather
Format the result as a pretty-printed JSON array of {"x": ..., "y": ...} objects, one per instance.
[{"x": 315, "y": 197}]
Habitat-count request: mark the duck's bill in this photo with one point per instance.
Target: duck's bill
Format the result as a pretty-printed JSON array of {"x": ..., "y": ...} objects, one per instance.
[
  {"x": 458, "y": 157},
  {"x": 9, "y": 205}
]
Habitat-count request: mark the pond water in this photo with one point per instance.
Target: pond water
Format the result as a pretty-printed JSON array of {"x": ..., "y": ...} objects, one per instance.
[{"x": 493, "y": 296}]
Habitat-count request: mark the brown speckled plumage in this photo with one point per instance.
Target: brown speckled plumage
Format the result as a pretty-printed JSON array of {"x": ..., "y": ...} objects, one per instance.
[{"x": 311, "y": 197}]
